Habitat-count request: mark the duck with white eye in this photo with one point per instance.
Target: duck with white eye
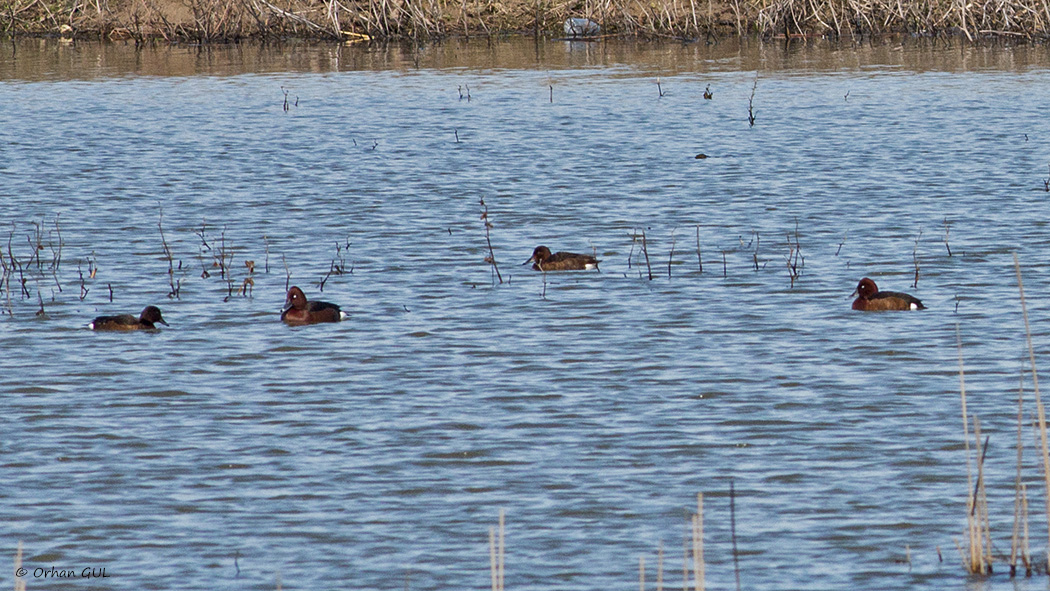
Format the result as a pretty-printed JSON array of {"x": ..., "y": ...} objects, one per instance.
[
  {"x": 544, "y": 260},
  {"x": 870, "y": 299},
  {"x": 298, "y": 311}
]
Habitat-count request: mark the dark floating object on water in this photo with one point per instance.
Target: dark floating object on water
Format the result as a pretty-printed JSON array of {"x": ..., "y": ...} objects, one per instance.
[
  {"x": 146, "y": 321},
  {"x": 707, "y": 93},
  {"x": 543, "y": 260},
  {"x": 701, "y": 156},
  {"x": 582, "y": 27},
  {"x": 297, "y": 311},
  {"x": 869, "y": 298}
]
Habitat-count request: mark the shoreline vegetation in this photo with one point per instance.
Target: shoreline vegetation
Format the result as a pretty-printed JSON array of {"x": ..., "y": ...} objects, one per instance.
[{"x": 224, "y": 21}]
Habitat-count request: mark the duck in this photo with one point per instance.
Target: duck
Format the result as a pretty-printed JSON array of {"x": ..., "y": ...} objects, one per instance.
[
  {"x": 543, "y": 260},
  {"x": 869, "y": 298},
  {"x": 147, "y": 320},
  {"x": 298, "y": 311}
]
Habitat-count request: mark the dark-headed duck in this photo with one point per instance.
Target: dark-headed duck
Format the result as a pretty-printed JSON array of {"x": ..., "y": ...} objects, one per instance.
[
  {"x": 543, "y": 260},
  {"x": 145, "y": 321},
  {"x": 297, "y": 311},
  {"x": 871, "y": 299}
]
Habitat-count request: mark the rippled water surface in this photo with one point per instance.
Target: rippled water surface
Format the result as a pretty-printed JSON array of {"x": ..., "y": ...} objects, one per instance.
[{"x": 229, "y": 451}]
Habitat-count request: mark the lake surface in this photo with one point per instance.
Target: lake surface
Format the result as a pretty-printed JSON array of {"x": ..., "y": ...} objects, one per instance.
[{"x": 229, "y": 451}]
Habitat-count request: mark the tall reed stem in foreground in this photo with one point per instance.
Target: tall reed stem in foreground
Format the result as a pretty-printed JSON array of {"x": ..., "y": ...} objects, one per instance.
[
  {"x": 974, "y": 560},
  {"x": 698, "y": 543},
  {"x": 1040, "y": 411},
  {"x": 496, "y": 554},
  {"x": 20, "y": 584},
  {"x": 1014, "y": 539}
]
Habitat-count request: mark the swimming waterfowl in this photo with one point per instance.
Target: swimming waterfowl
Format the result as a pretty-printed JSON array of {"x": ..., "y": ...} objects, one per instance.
[
  {"x": 869, "y": 298},
  {"x": 145, "y": 321},
  {"x": 543, "y": 260},
  {"x": 297, "y": 311}
]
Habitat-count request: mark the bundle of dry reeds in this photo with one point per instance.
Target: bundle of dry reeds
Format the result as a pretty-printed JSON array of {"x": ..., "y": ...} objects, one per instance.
[{"x": 361, "y": 20}]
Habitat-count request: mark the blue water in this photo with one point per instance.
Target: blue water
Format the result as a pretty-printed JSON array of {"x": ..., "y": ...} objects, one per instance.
[{"x": 230, "y": 451}]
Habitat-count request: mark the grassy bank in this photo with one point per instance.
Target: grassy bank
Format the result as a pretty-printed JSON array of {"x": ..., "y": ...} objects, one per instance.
[{"x": 361, "y": 20}]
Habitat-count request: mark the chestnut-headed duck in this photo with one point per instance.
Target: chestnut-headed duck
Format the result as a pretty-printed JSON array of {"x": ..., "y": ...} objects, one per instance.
[
  {"x": 543, "y": 260},
  {"x": 869, "y": 298},
  {"x": 297, "y": 311},
  {"x": 146, "y": 321}
]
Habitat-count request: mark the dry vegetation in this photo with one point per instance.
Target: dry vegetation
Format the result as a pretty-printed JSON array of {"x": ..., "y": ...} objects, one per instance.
[{"x": 360, "y": 20}]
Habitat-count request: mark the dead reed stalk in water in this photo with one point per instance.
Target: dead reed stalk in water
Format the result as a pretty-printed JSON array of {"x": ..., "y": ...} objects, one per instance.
[
  {"x": 1015, "y": 547},
  {"x": 981, "y": 508},
  {"x": 491, "y": 259},
  {"x": 670, "y": 257},
  {"x": 795, "y": 260},
  {"x": 1026, "y": 554},
  {"x": 172, "y": 283},
  {"x": 338, "y": 264},
  {"x": 83, "y": 288},
  {"x": 287, "y": 274},
  {"x": 224, "y": 258},
  {"x": 1014, "y": 538},
  {"x": 645, "y": 251},
  {"x": 266, "y": 250},
  {"x": 915, "y": 259},
  {"x": 5, "y": 280},
  {"x": 56, "y": 254},
  {"x": 1040, "y": 410},
  {"x": 973, "y": 561},
  {"x": 947, "y": 229},
  {"x": 751, "y": 105},
  {"x": 200, "y": 249},
  {"x": 754, "y": 254},
  {"x": 641, "y": 573},
  {"x": 699, "y": 259}
]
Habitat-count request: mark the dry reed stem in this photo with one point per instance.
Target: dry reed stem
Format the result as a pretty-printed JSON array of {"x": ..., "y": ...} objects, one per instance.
[
  {"x": 641, "y": 573},
  {"x": 1040, "y": 410},
  {"x": 698, "y": 543},
  {"x": 972, "y": 562},
  {"x": 1026, "y": 555},
  {"x": 20, "y": 584},
  {"x": 1014, "y": 538}
]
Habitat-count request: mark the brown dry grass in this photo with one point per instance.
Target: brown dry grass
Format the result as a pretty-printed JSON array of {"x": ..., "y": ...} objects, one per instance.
[{"x": 230, "y": 20}]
